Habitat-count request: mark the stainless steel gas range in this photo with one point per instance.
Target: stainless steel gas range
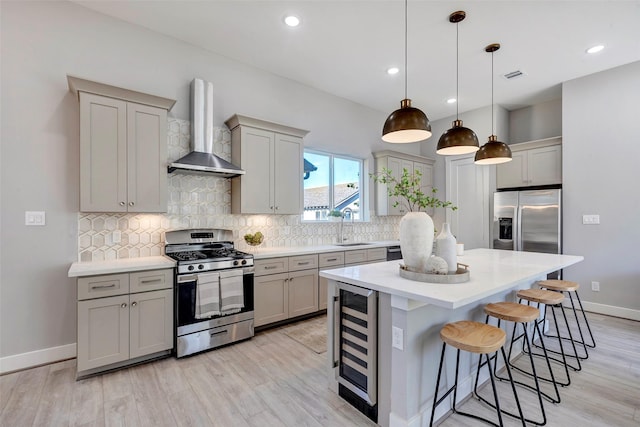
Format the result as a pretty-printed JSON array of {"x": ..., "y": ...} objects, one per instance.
[{"x": 213, "y": 290}]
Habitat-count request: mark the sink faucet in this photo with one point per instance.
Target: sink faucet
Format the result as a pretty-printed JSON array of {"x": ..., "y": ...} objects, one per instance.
[{"x": 344, "y": 213}]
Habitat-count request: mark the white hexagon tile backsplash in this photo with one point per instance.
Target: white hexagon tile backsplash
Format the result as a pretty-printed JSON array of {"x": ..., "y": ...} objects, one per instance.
[{"x": 205, "y": 201}]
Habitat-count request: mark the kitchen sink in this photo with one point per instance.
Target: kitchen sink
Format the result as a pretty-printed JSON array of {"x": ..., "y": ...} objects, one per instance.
[{"x": 353, "y": 244}]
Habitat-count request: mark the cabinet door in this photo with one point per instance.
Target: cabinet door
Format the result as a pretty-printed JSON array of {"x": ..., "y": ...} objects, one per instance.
[
  {"x": 103, "y": 154},
  {"x": 271, "y": 298},
  {"x": 545, "y": 165},
  {"x": 257, "y": 159},
  {"x": 151, "y": 322},
  {"x": 303, "y": 292},
  {"x": 513, "y": 173},
  {"x": 147, "y": 158},
  {"x": 397, "y": 166},
  {"x": 426, "y": 180},
  {"x": 288, "y": 169},
  {"x": 103, "y": 331}
]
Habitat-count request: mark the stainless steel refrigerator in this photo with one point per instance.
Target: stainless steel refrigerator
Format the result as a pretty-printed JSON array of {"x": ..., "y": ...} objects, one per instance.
[{"x": 528, "y": 220}]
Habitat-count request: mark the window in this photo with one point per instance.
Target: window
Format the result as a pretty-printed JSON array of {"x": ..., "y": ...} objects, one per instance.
[{"x": 331, "y": 183}]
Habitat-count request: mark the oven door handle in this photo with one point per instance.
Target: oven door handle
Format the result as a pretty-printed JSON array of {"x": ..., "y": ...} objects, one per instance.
[{"x": 186, "y": 278}]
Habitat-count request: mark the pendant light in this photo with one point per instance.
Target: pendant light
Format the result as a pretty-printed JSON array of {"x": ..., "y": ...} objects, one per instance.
[
  {"x": 408, "y": 124},
  {"x": 458, "y": 139},
  {"x": 494, "y": 151}
]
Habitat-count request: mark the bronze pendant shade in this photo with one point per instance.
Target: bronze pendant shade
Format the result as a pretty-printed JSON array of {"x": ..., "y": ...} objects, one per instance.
[
  {"x": 407, "y": 124},
  {"x": 458, "y": 139},
  {"x": 494, "y": 151}
]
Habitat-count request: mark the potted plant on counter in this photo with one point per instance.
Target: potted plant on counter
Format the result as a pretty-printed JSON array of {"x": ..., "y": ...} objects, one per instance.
[{"x": 416, "y": 226}]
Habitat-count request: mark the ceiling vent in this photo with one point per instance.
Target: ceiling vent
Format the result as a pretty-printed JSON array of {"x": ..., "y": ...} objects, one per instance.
[{"x": 513, "y": 75}]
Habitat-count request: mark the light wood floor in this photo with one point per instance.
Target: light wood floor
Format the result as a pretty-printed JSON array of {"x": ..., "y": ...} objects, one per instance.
[{"x": 272, "y": 380}]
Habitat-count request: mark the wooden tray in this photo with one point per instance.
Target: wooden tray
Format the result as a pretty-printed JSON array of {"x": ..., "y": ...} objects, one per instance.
[{"x": 460, "y": 276}]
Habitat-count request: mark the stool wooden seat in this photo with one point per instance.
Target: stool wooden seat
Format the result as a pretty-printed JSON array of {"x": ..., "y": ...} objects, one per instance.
[
  {"x": 512, "y": 312},
  {"x": 541, "y": 296},
  {"x": 559, "y": 285},
  {"x": 474, "y": 337},
  {"x": 481, "y": 339},
  {"x": 571, "y": 288}
]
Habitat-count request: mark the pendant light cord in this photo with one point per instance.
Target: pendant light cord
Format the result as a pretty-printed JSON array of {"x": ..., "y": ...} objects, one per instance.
[
  {"x": 457, "y": 72},
  {"x": 492, "y": 125},
  {"x": 405, "y": 47}
]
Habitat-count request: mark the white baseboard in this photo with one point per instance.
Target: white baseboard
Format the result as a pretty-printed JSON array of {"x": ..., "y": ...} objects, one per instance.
[
  {"x": 611, "y": 310},
  {"x": 37, "y": 358}
]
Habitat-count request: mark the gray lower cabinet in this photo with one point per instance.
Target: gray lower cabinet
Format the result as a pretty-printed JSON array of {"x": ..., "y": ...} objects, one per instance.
[
  {"x": 327, "y": 261},
  {"x": 285, "y": 287},
  {"x": 123, "y": 318}
]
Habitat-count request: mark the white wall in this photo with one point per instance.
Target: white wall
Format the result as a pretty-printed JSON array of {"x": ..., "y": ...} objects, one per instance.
[
  {"x": 42, "y": 42},
  {"x": 601, "y": 133},
  {"x": 538, "y": 121}
]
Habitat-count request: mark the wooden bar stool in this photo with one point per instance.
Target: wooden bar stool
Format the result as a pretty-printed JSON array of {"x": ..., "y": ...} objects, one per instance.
[
  {"x": 521, "y": 314},
  {"x": 571, "y": 288},
  {"x": 553, "y": 300},
  {"x": 478, "y": 338}
]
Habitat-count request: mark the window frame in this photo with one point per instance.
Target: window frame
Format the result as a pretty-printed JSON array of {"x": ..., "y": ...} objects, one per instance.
[{"x": 361, "y": 183}]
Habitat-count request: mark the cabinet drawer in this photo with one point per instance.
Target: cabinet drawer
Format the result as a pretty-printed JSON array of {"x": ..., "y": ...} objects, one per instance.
[
  {"x": 151, "y": 280},
  {"x": 355, "y": 257},
  {"x": 377, "y": 254},
  {"x": 270, "y": 266},
  {"x": 303, "y": 262},
  {"x": 103, "y": 286},
  {"x": 331, "y": 259}
]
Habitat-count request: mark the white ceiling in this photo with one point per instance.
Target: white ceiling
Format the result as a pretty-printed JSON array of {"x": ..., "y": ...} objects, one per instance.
[{"x": 344, "y": 47}]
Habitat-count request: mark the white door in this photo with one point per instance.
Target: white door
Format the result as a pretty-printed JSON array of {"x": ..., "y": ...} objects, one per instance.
[{"x": 467, "y": 187}]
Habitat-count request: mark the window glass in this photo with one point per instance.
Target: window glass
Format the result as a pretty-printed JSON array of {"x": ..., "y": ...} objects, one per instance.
[{"x": 331, "y": 183}]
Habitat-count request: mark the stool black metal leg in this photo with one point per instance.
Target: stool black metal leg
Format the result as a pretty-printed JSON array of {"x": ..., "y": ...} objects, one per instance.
[
  {"x": 593, "y": 341},
  {"x": 435, "y": 395},
  {"x": 573, "y": 343}
]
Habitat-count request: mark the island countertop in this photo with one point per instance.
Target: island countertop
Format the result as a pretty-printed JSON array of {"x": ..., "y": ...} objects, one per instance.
[{"x": 491, "y": 271}]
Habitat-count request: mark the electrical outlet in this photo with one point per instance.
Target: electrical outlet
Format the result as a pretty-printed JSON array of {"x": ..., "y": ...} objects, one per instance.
[
  {"x": 34, "y": 218},
  {"x": 397, "y": 337},
  {"x": 595, "y": 286},
  {"x": 591, "y": 219}
]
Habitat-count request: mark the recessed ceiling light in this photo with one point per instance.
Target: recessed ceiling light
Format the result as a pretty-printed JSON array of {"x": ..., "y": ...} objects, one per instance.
[
  {"x": 595, "y": 49},
  {"x": 451, "y": 101},
  {"x": 393, "y": 70},
  {"x": 292, "y": 20}
]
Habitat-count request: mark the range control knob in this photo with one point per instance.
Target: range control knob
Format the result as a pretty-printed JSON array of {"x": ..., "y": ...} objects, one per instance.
[
  {"x": 244, "y": 261},
  {"x": 235, "y": 262},
  {"x": 200, "y": 267},
  {"x": 190, "y": 268}
]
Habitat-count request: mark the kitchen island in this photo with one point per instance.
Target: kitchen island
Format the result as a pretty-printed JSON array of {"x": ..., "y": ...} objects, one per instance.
[{"x": 414, "y": 312}]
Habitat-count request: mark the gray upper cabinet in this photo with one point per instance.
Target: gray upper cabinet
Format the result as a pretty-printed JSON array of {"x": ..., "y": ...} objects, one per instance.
[
  {"x": 123, "y": 149},
  {"x": 272, "y": 156},
  {"x": 534, "y": 163}
]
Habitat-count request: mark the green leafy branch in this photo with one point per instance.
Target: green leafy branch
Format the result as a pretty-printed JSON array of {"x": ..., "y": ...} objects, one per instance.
[{"x": 407, "y": 187}]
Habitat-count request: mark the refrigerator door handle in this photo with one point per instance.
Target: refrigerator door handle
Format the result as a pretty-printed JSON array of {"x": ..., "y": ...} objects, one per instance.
[{"x": 518, "y": 226}]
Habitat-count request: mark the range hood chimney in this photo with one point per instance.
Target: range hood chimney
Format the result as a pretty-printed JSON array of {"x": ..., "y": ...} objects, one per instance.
[{"x": 201, "y": 159}]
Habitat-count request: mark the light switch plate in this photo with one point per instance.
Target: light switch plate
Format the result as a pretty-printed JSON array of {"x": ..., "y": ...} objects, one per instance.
[
  {"x": 591, "y": 219},
  {"x": 397, "y": 338},
  {"x": 34, "y": 218}
]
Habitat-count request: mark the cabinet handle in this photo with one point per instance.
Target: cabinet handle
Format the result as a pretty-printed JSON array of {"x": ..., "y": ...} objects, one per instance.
[
  {"x": 150, "y": 281},
  {"x": 133, "y": 304},
  {"x": 271, "y": 207},
  {"x": 303, "y": 263},
  {"x": 277, "y": 207},
  {"x": 218, "y": 333},
  {"x": 121, "y": 203},
  {"x": 113, "y": 285},
  {"x": 290, "y": 279},
  {"x": 270, "y": 267},
  {"x": 131, "y": 203},
  {"x": 332, "y": 259},
  {"x": 124, "y": 305}
]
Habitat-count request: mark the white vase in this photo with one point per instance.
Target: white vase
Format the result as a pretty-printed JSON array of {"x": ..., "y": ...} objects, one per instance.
[
  {"x": 416, "y": 240},
  {"x": 446, "y": 248}
]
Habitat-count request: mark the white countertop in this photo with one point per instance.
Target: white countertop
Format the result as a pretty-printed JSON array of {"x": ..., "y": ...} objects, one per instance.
[
  {"x": 261, "y": 253},
  {"x": 93, "y": 268},
  {"x": 491, "y": 271}
]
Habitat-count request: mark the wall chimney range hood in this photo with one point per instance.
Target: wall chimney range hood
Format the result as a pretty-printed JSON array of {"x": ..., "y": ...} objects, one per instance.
[{"x": 201, "y": 159}]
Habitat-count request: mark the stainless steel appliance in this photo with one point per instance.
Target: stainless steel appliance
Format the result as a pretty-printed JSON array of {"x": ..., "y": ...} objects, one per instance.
[
  {"x": 355, "y": 347},
  {"x": 528, "y": 220},
  {"x": 200, "y": 252},
  {"x": 393, "y": 253}
]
